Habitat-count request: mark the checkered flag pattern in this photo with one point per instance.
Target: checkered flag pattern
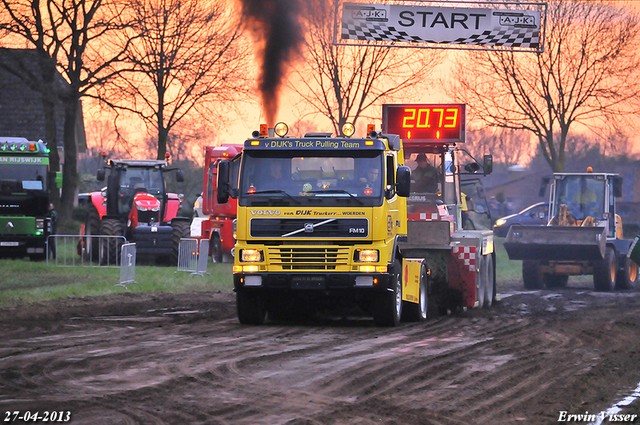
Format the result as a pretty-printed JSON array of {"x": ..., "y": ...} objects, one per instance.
[
  {"x": 499, "y": 36},
  {"x": 467, "y": 254}
]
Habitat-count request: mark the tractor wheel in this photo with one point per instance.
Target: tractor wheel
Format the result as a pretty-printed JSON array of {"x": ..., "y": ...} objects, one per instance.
[
  {"x": 412, "y": 312},
  {"x": 387, "y": 308},
  {"x": 604, "y": 271},
  {"x": 181, "y": 230},
  {"x": 489, "y": 289},
  {"x": 627, "y": 277},
  {"x": 531, "y": 275},
  {"x": 216, "y": 249},
  {"x": 91, "y": 228},
  {"x": 110, "y": 246},
  {"x": 250, "y": 308}
]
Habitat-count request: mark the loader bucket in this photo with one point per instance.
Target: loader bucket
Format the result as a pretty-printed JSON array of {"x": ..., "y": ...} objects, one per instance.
[{"x": 561, "y": 243}]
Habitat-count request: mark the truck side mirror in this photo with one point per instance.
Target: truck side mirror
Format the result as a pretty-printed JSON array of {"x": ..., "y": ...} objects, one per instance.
[
  {"x": 180, "y": 176},
  {"x": 487, "y": 164},
  {"x": 617, "y": 186},
  {"x": 222, "y": 192},
  {"x": 100, "y": 175},
  {"x": 403, "y": 179}
]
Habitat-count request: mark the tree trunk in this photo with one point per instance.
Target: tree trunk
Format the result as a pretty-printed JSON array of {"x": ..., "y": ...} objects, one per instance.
[{"x": 70, "y": 169}]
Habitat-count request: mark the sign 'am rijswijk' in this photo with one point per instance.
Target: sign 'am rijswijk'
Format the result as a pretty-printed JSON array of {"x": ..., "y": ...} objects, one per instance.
[{"x": 483, "y": 27}]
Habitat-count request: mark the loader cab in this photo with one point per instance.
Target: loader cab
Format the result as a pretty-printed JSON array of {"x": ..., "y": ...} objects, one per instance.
[{"x": 585, "y": 199}]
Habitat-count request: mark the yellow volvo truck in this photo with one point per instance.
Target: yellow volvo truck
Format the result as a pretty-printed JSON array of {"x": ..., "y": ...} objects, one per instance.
[{"x": 319, "y": 222}]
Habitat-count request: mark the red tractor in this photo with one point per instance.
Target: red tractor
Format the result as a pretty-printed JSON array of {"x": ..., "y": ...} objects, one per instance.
[
  {"x": 217, "y": 225},
  {"x": 136, "y": 205}
]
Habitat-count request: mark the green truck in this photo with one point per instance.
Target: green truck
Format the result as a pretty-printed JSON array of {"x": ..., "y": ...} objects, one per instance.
[{"x": 25, "y": 213}]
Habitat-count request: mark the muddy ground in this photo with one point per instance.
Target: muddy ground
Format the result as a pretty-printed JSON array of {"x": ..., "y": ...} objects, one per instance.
[{"x": 184, "y": 359}]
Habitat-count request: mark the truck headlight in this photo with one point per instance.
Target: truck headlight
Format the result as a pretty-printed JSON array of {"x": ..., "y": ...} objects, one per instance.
[
  {"x": 251, "y": 255},
  {"x": 368, "y": 255},
  {"x": 500, "y": 222}
]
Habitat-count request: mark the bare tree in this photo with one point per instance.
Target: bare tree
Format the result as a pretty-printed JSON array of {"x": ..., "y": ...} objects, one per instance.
[
  {"x": 70, "y": 34},
  {"x": 188, "y": 58},
  {"x": 587, "y": 76},
  {"x": 509, "y": 147},
  {"x": 342, "y": 82}
]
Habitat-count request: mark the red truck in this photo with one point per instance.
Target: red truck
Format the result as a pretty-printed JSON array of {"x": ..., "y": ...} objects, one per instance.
[{"x": 218, "y": 221}]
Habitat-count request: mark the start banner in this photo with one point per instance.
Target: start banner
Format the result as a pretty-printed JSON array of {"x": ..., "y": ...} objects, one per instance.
[{"x": 462, "y": 26}]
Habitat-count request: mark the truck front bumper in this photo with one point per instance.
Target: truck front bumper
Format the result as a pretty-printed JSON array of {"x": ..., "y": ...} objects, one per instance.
[{"x": 321, "y": 282}]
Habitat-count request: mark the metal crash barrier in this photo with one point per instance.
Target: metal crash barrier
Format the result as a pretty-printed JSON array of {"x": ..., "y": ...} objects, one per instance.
[
  {"x": 190, "y": 258},
  {"x": 84, "y": 251},
  {"x": 127, "y": 264}
]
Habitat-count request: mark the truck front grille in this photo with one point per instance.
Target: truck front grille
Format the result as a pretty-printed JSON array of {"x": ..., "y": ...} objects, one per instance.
[{"x": 308, "y": 258}]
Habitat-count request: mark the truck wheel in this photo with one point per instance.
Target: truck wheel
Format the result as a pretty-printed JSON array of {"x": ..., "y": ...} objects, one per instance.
[
  {"x": 91, "y": 228},
  {"x": 531, "y": 275},
  {"x": 627, "y": 277},
  {"x": 604, "y": 271},
  {"x": 417, "y": 312},
  {"x": 216, "y": 249},
  {"x": 481, "y": 280},
  {"x": 387, "y": 308},
  {"x": 180, "y": 231},
  {"x": 489, "y": 293},
  {"x": 555, "y": 280},
  {"x": 250, "y": 308},
  {"x": 110, "y": 246}
]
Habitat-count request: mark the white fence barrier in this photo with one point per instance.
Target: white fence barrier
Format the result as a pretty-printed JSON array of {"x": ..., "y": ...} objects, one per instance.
[
  {"x": 203, "y": 257},
  {"x": 85, "y": 251},
  {"x": 128, "y": 264},
  {"x": 190, "y": 258},
  {"x": 188, "y": 255}
]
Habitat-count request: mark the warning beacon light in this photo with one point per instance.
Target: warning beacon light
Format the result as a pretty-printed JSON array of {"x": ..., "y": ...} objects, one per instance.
[
  {"x": 281, "y": 129},
  {"x": 348, "y": 129}
]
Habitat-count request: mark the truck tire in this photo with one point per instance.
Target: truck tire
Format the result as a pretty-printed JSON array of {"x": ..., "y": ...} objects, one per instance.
[
  {"x": 110, "y": 246},
  {"x": 91, "y": 228},
  {"x": 490, "y": 289},
  {"x": 387, "y": 306},
  {"x": 180, "y": 231},
  {"x": 216, "y": 249},
  {"x": 417, "y": 312},
  {"x": 250, "y": 308},
  {"x": 627, "y": 277},
  {"x": 552, "y": 280},
  {"x": 604, "y": 271},
  {"x": 481, "y": 280},
  {"x": 531, "y": 275}
]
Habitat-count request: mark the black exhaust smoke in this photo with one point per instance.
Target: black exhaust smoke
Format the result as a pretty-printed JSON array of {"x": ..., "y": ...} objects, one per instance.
[{"x": 277, "y": 29}]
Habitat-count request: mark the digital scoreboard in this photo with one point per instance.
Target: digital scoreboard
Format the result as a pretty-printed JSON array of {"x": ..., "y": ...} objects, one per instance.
[{"x": 426, "y": 122}]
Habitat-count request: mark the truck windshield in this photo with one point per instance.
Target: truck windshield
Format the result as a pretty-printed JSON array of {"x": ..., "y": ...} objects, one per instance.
[
  {"x": 582, "y": 195},
  {"x": 21, "y": 178},
  {"x": 317, "y": 178}
]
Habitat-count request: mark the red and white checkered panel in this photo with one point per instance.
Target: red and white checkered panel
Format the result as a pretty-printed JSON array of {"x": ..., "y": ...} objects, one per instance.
[
  {"x": 429, "y": 216},
  {"x": 467, "y": 254}
]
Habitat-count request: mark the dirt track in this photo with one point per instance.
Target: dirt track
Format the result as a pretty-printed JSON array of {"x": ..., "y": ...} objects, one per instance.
[{"x": 184, "y": 359}]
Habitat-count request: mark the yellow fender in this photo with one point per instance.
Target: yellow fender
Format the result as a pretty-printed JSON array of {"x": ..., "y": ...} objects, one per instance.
[{"x": 411, "y": 268}]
